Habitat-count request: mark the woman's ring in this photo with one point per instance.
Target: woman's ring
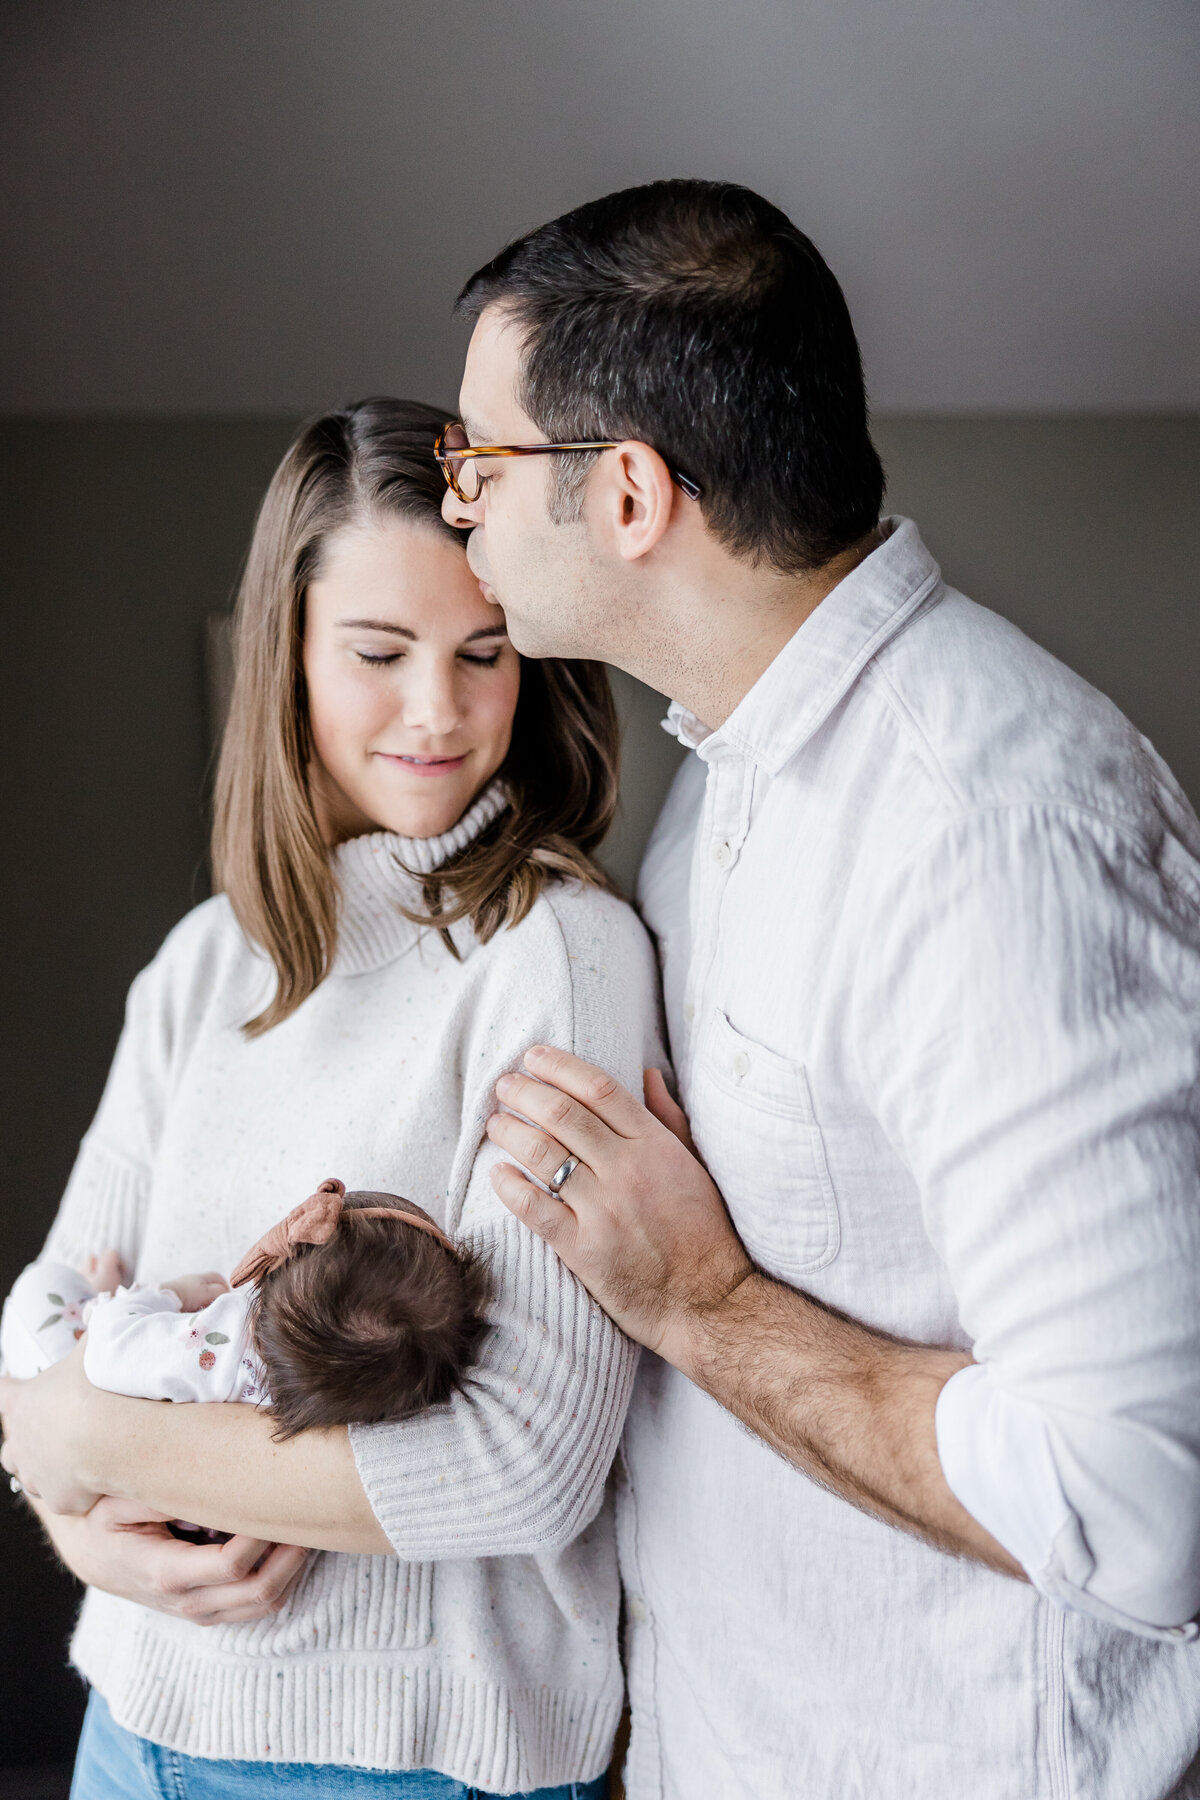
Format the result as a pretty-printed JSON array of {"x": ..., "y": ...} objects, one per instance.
[{"x": 562, "y": 1175}]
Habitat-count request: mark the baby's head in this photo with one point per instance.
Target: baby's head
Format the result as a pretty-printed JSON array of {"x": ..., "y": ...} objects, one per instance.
[{"x": 363, "y": 1312}]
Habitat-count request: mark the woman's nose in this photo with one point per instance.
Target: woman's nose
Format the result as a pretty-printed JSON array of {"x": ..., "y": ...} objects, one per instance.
[{"x": 431, "y": 703}]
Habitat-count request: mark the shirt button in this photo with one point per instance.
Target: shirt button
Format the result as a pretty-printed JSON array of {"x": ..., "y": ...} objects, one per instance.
[
  {"x": 689, "y": 1012},
  {"x": 722, "y": 855},
  {"x": 637, "y": 1609},
  {"x": 741, "y": 1065}
]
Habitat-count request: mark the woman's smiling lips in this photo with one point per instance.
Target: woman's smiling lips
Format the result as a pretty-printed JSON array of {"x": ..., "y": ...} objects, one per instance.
[{"x": 424, "y": 765}]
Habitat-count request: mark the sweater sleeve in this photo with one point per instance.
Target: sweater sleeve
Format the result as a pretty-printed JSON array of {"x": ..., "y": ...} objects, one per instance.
[
  {"x": 104, "y": 1204},
  {"x": 516, "y": 1462}
]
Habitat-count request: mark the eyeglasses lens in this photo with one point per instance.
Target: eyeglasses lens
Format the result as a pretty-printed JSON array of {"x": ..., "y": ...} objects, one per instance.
[{"x": 462, "y": 469}]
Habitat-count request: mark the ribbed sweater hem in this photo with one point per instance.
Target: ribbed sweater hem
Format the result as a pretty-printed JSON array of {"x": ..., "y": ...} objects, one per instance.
[{"x": 365, "y": 1709}]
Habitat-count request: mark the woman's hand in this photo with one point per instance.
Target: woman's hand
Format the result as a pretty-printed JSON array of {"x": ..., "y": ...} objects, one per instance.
[
  {"x": 69, "y": 1443},
  {"x": 127, "y": 1550},
  {"x": 105, "y": 1271},
  {"x": 45, "y": 1434}
]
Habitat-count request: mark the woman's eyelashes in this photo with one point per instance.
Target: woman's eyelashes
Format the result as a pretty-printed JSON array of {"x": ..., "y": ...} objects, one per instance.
[{"x": 377, "y": 659}]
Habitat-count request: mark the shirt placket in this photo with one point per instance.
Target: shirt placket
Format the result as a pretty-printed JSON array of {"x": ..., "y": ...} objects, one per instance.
[{"x": 724, "y": 823}]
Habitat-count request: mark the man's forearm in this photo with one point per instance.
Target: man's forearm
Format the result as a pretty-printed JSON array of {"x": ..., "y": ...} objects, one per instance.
[
  {"x": 220, "y": 1466},
  {"x": 851, "y": 1408}
]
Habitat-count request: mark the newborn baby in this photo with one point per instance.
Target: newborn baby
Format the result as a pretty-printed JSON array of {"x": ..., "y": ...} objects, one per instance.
[{"x": 355, "y": 1309}]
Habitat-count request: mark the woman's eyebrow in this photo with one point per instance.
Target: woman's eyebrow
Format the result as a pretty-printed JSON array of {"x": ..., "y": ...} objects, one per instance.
[
  {"x": 485, "y": 631},
  {"x": 377, "y": 625}
]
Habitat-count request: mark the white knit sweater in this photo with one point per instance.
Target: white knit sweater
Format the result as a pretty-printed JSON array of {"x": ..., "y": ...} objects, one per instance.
[{"x": 486, "y": 1648}]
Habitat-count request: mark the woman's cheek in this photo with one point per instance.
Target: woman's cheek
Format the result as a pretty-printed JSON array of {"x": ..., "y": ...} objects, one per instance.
[
  {"x": 508, "y": 692},
  {"x": 501, "y": 722},
  {"x": 352, "y": 710}
]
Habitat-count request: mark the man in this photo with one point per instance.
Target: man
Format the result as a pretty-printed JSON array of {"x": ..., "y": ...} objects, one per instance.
[{"x": 910, "y": 1501}]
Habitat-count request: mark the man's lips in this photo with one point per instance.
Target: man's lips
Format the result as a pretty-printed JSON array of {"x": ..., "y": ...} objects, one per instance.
[
  {"x": 485, "y": 586},
  {"x": 423, "y": 765}
]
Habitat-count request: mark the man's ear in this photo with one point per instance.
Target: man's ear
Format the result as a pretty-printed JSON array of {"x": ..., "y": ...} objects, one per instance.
[{"x": 638, "y": 497}]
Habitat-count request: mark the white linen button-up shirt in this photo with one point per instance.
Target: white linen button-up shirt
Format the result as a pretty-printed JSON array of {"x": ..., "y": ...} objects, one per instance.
[{"x": 928, "y": 910}]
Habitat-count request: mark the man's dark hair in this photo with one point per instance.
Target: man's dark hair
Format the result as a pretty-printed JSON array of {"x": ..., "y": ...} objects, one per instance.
[
  {"x": 376, "y": 1324},
  {"x": 695, "y": 317}
]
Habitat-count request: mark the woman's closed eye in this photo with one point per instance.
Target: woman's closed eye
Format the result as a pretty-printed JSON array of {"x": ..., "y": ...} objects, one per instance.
[{"x": 380, "y": 659}]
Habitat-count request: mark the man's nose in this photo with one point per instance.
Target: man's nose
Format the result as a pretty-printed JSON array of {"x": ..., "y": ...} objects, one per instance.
[{"x": 464, "y": 515}]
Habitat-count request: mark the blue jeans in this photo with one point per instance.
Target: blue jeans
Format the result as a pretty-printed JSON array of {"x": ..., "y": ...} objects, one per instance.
[{"x": 113, "y": 1764}]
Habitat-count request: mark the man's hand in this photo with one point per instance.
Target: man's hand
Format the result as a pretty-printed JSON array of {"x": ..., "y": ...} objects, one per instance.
[
  {"x": 127, "y": 1550},
  {"x": 640, "y": 1221},
  {"x": 642, "y": 1225},
  {"x": 44, "y": 1433}
]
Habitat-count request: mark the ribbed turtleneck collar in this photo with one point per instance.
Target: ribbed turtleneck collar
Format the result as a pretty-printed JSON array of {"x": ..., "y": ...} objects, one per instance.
[{"x": 380, "y": 873}]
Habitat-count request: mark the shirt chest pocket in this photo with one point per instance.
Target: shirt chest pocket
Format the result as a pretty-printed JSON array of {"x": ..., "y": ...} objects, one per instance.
[{"x": 752, "y": 1119}]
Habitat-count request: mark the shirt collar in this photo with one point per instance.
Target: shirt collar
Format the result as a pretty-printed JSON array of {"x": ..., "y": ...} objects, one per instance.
[{"x": 818, "y": 665}]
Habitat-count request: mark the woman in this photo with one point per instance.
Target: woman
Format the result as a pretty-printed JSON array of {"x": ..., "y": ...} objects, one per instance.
[{"x": 404, "y": 819}]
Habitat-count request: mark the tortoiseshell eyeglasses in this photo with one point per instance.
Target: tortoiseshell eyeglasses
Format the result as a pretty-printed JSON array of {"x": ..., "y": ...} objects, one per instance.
[{"x": 459, "y": 460}]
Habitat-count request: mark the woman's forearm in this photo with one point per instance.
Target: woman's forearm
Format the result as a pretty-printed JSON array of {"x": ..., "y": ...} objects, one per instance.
[
  {"x": 62, "y": 1532},
  {"x": 219, "y": 1466}
]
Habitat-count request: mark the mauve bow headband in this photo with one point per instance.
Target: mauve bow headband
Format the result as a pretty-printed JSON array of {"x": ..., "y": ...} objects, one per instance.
[{"x": 314, "y": 1221}]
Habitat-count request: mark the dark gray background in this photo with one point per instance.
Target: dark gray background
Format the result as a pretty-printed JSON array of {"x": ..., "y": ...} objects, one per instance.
[{"x": 217, "y": 216}]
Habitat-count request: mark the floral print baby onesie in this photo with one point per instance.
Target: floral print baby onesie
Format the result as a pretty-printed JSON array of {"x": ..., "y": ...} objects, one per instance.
[{"x": 139, "y": 1340}]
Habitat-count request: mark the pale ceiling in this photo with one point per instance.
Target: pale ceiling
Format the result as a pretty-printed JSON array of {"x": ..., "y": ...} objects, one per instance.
[{"x": 266, "y": 205}]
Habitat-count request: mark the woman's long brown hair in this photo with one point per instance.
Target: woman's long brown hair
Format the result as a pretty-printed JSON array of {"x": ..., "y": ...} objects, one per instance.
[{"x": 375, "y": 460}]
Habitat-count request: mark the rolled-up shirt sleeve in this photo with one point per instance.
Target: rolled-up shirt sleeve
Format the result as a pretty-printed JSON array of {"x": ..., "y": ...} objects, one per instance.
[{"x": 1034, "y": 1053}]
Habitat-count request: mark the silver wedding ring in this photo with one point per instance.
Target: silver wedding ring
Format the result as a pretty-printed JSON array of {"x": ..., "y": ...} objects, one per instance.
[{"x": 562, "y": 1174}]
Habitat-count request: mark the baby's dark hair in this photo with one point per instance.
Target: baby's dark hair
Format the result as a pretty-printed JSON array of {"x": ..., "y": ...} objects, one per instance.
[{"x": 376, "y": 1324}]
